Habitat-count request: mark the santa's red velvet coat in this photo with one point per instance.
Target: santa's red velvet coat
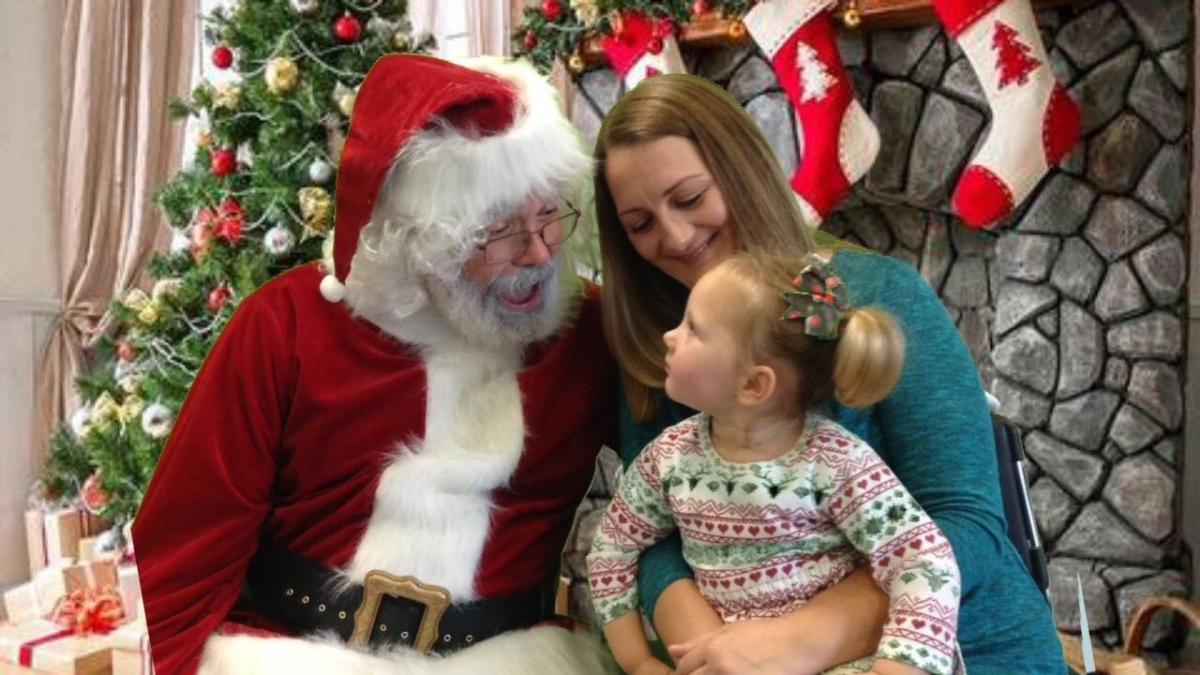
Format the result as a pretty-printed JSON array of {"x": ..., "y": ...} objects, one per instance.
[{"x": 302, "y": 412}]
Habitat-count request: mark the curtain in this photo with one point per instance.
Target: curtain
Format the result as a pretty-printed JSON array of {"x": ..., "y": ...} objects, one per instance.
[{"x": 120, "y": 62}]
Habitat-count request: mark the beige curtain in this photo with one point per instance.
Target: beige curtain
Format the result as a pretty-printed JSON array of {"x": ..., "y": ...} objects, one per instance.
[{"x": 120, "y": 63}]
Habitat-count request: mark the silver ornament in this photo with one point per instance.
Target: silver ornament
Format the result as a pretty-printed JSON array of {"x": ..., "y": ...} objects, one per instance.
[
  {"x": 181, "y": 243},
  {"x": 156, "y": 420},
  {"x": 379, "y": 26},
  {"x": 81, "y": 421},
  {"x": 278, "y": 240},
  {"x": 303, "y": 7},
  {"x": 320, "y": 171},
  {"x": 109, "y": 541}
]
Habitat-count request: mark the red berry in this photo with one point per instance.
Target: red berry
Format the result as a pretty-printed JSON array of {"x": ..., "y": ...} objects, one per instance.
[
  {"x": 222, "y": 57},
  {"x": 551, "y": 9},
  {"x": 530, "y": 40},
  {"x": 224, "y": 162},
  {"x": 347, "y": 28},
  {"x": 655, "y": 46}
]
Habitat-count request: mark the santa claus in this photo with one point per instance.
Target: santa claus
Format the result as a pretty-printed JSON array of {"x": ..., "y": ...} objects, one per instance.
[{"x": 378, "y": 465}]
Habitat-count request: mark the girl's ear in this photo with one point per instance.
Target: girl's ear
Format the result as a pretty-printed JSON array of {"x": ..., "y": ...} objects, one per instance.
[{"x": 758, "y": 386}]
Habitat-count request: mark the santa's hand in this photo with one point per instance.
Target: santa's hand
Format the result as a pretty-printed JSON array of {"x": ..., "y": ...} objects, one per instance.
[{"x": 756, "y": 646}]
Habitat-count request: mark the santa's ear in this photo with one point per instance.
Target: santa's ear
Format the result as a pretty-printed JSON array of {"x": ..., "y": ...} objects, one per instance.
[{"x": 757, "y": 386}]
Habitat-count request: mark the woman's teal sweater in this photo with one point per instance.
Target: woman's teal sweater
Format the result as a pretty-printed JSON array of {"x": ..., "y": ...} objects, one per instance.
[{"x": 935, "y": 432}]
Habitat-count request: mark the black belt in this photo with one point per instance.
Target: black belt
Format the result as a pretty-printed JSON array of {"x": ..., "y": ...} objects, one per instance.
[{"x": 308, "y": 597}]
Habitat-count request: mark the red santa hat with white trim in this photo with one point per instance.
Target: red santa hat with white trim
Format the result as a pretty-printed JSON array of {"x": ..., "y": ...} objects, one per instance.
[{"x": 454, "y": 144}]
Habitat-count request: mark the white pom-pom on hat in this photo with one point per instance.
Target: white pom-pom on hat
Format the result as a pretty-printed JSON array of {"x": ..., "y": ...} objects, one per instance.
[{"x": 332, "y": 289}]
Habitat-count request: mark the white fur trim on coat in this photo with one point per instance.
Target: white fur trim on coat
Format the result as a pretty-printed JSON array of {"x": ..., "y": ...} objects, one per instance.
[
  {"x": 545, "y": 649},
  {"x": 433, "y": 505}
]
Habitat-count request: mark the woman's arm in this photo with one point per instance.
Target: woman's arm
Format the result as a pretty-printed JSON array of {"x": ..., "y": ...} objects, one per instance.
[{"x": 839, "y": 624}]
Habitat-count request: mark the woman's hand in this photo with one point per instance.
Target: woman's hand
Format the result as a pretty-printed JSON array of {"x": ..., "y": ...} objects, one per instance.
[
  {"x": 651, "y": 666},
  {"x": 757, "y": 646}
]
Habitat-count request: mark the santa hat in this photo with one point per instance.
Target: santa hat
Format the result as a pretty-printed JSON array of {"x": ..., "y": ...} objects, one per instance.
[{"x": 466, "y": 142}]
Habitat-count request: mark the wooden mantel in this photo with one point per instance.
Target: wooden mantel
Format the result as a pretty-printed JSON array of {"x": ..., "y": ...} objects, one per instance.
[{"x": 713, "y": 30}]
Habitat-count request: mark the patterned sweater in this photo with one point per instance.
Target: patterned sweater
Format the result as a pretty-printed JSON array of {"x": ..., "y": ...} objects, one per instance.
[{"x": 764, "y": 537}]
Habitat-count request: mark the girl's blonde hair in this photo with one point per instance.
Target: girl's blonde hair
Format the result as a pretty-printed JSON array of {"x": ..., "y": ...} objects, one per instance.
[
  {"x": 640, "y": 302},
  {"x": 860, "y": 368}
]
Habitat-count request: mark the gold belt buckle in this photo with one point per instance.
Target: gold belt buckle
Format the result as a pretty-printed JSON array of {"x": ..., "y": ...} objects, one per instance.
[{"x": 378, "y": 584}]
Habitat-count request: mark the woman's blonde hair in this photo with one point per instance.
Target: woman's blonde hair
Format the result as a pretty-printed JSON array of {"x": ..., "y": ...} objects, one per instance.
[
  {"x": 641, "y": 302},
  {"x": 860, "y": 367}
]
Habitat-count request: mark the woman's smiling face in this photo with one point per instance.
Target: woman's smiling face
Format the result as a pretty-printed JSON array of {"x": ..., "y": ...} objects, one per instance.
[{"x": 670, "y": 206}]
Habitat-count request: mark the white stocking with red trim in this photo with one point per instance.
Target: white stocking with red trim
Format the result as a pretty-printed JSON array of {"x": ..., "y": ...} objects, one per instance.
[
  {"x": 642, "y": 47},
  {"x": 1034, "y": 122},
  {"x": 839, "y": 141}
]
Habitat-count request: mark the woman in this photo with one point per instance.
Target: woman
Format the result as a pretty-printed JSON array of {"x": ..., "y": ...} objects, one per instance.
[{"x": 684, "y": 179}]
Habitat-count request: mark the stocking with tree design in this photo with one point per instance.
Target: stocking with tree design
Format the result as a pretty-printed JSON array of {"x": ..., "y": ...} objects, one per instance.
[
  {"x": 839, "y": 141},
  {"x": 1034, "y": 122}
]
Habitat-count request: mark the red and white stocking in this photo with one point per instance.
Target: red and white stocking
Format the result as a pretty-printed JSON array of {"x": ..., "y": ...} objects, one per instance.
[
  {"x": 642, "y": 47},
  {"x": 839, "y": 141},
  {"x": 1034, "y": 122}
]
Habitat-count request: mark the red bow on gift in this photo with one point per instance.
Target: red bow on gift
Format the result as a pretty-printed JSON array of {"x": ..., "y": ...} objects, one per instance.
[{"x": 86, "y": 611}]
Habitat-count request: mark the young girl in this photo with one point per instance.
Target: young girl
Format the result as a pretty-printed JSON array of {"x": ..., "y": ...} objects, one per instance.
[{"x": 773, "y": 501}]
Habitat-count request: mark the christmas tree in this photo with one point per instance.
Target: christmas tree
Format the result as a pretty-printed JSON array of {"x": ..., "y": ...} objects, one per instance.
[
  {"x": 256, "y": 201},
  {"x": 815, "y": 78},
  {"x": 1012, "y": 56}
]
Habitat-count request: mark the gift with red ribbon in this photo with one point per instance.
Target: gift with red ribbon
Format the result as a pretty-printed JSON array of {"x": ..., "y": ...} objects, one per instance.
[{"x": 48, "y": 647}]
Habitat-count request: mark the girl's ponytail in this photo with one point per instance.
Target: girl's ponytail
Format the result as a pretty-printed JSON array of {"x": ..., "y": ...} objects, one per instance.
[{"x": 870, "y": 356}]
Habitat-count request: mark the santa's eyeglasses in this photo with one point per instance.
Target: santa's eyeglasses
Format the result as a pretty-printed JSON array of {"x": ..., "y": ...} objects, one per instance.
[{"x": 552, "y": 228}]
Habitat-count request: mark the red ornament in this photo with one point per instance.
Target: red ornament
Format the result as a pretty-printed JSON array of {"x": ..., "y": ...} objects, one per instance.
[
  {"x": 654, "y": 46},
  {"x": 701, "y": 7},
  {"x": 347, "y": 28},
  {"x": 222, "y": 57},
  {"x": 217, "y": 298},
  {"x": 530, "y": 40},
  {"x": 551, "y": 9},
  {"x": 224, "y": 162},
  {"x": 125, "y": 352},
  {"x": 92, "y": 495}
]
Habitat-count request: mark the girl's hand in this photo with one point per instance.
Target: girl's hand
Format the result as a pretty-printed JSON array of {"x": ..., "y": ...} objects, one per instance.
[{"x": 757, "y": 646}]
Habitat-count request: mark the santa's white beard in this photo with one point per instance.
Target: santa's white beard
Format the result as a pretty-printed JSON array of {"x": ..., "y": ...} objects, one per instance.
[{"x": 480, "y": 317}]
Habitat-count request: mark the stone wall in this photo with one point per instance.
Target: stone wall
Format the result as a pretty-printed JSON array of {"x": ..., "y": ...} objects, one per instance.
[{"x": 1074, "y": 312}]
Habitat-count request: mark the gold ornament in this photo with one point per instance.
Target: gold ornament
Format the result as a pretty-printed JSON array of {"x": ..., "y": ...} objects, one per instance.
[
  {"x": 737, "y": 29},
  {"x": 136, "y": 299},
  {"x": 104, "y": 408},
  {"x": 129, "y": 384},
  {"x": 149, "y": 314},
  {"x": 402, "y": 41},
  {"x": 130, "y": 409},
  {"x": 204, "y": 139},
  {"x": 575, "y": 63},
  {"x": 315, "y": 208},
  {"x": 346, "y": 104},
  {"x": 851, "y": 17},
  {"x": 227, "y": 96},
  {"x": 282, "y": 74}
]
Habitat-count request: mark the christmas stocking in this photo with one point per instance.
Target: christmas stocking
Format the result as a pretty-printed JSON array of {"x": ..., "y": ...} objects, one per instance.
[
  {"x": 1034, "y": 122},
  {"x": 642, "y": 47},
  {"x": 838, "y": 140}
]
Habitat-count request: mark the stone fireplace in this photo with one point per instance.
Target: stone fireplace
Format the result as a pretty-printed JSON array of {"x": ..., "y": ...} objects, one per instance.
[{"x": 1075, "y": 312}]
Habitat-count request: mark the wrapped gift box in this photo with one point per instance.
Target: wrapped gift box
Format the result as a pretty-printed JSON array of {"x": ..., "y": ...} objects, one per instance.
[
  {"x": 21, "y": 603},
  {"x": 53, "y": 536},
  {"x": 44, "y": 646},
  {"x": 131, "y": 650},
  {"x": 131, "y": 591}
]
